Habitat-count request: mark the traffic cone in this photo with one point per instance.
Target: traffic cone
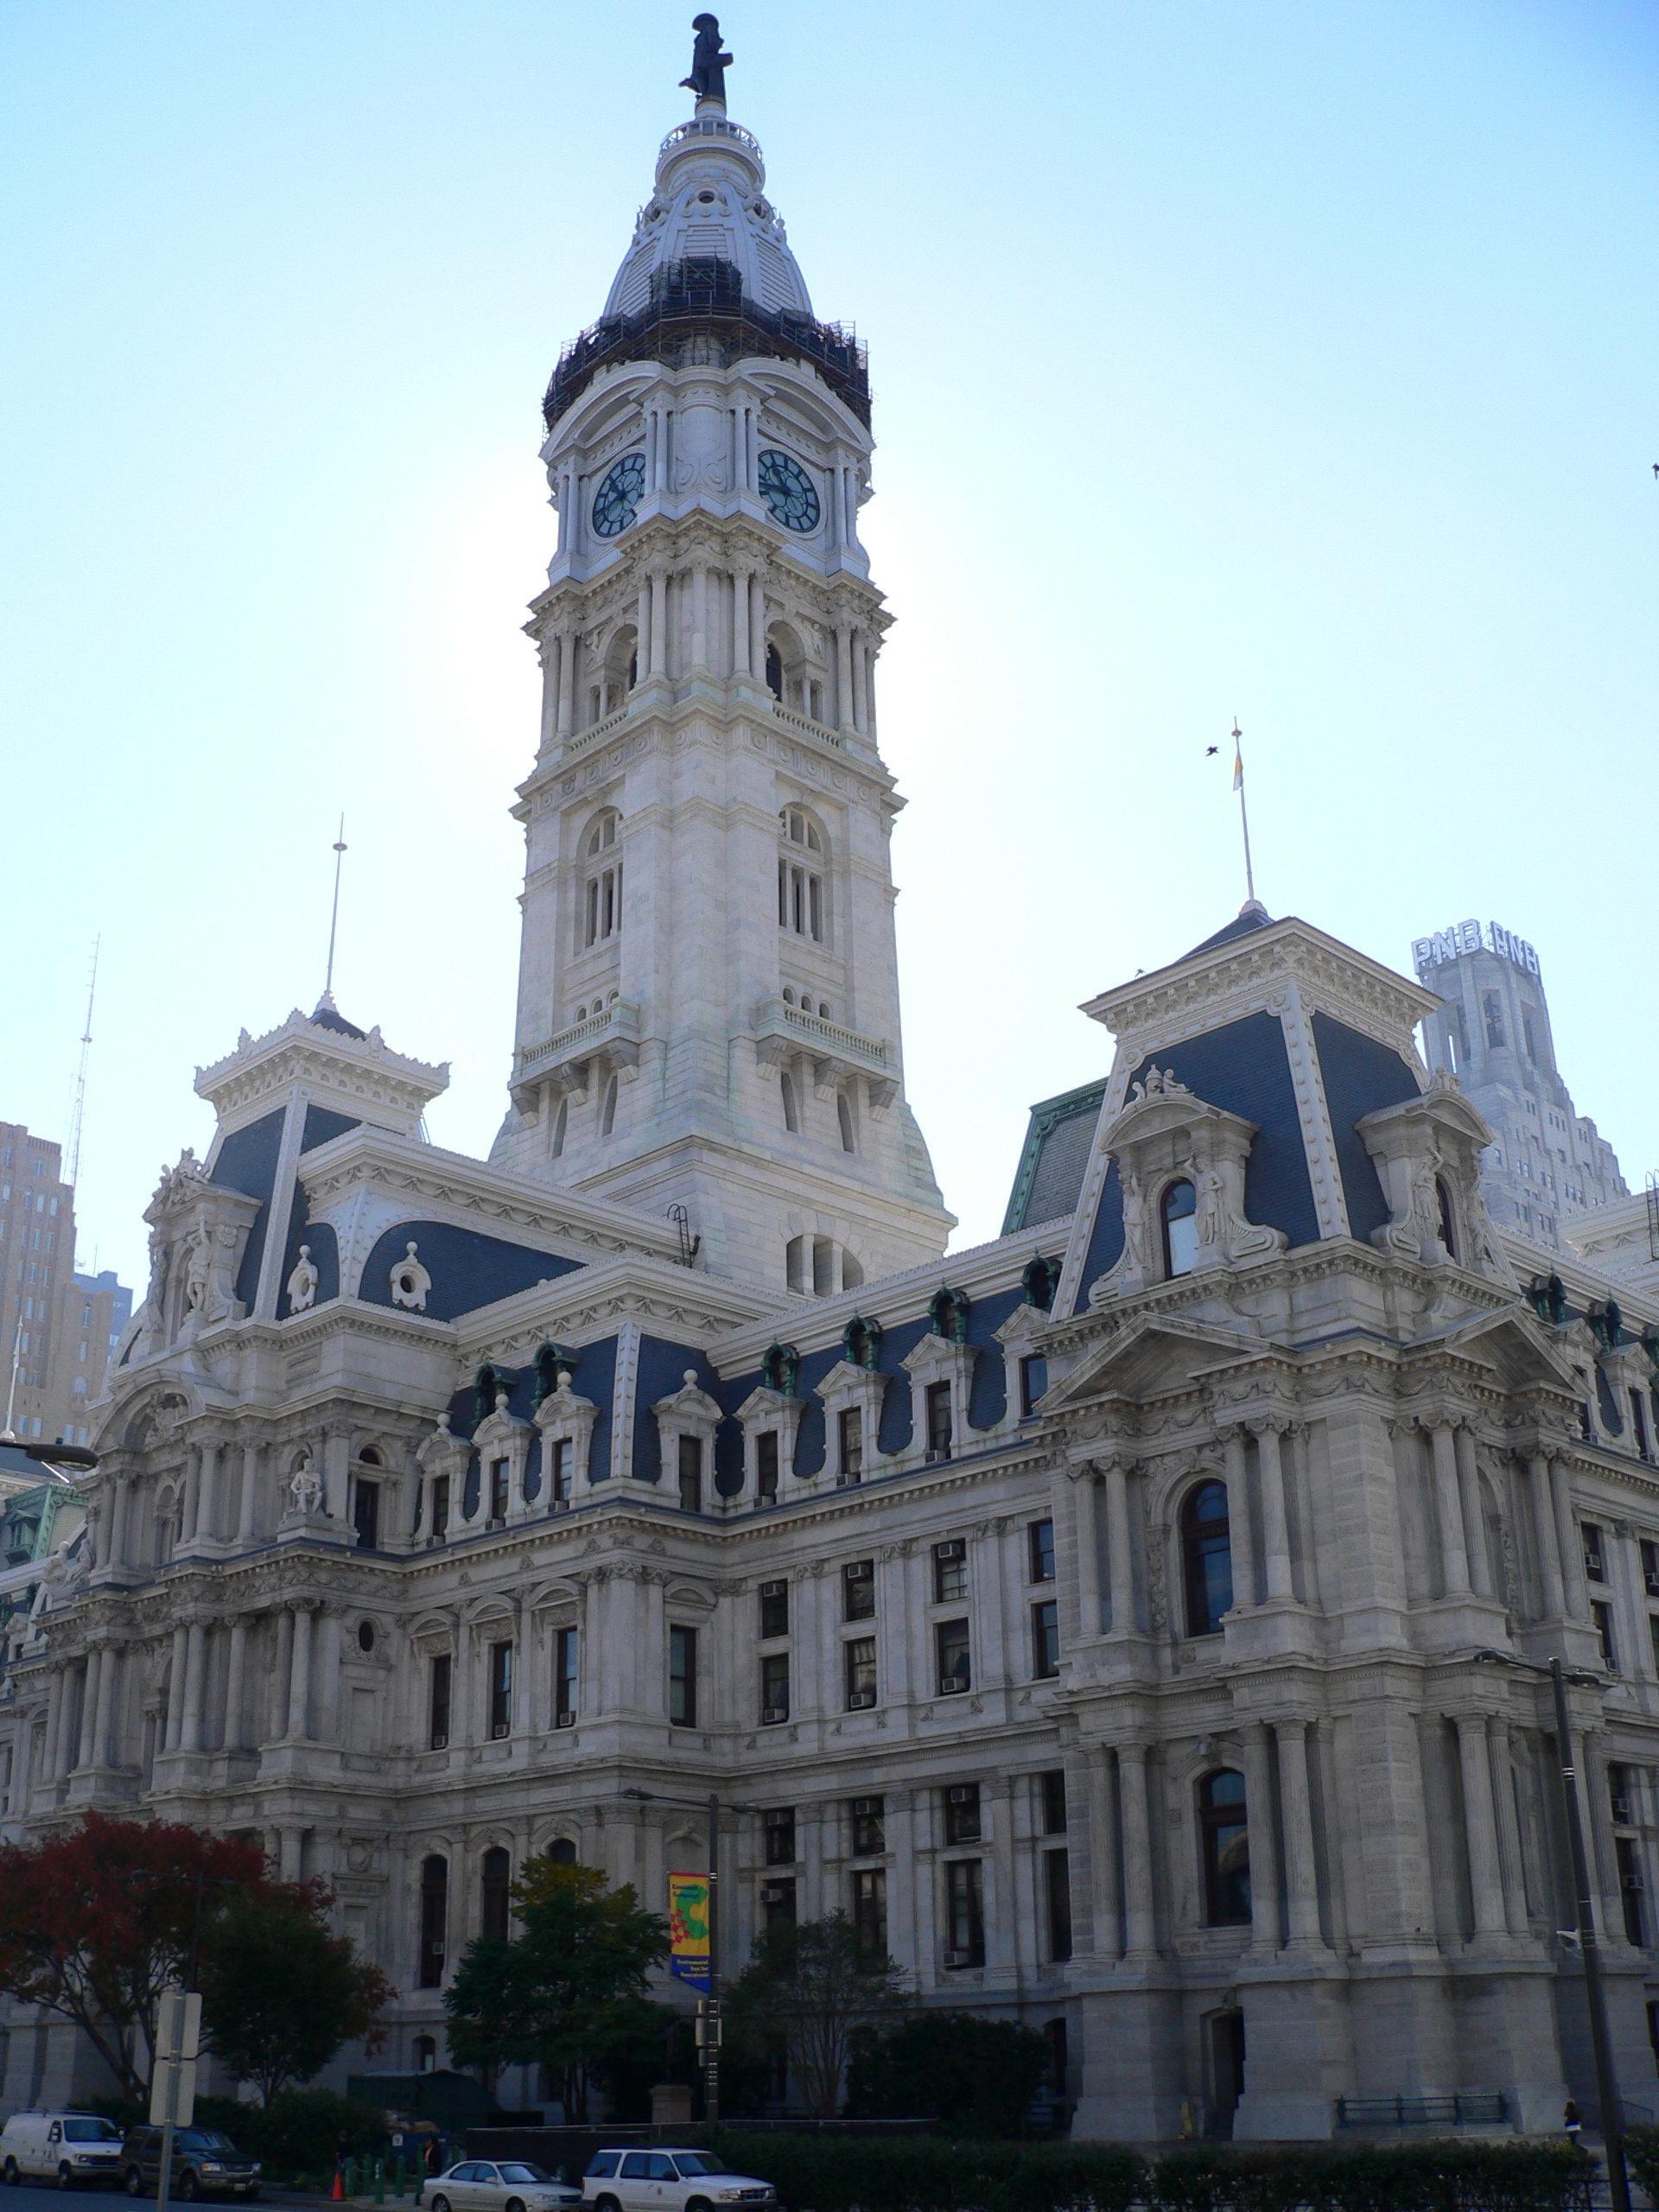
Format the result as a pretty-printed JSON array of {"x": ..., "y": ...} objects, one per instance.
[{"x": 340, "y": 2185}]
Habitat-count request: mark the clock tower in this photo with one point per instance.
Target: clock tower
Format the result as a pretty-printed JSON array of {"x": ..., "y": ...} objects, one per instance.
[{"x": 708, "y": 1002}]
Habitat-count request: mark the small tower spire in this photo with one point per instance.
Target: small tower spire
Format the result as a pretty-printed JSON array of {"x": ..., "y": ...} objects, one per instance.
[{"x": 708, "y": 66}]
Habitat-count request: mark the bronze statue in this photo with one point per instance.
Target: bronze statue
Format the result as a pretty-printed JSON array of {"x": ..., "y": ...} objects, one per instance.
[{"x": 708, "y": 64}]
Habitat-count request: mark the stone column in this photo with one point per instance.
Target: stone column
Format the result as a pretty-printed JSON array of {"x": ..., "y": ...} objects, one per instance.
[
  {"x": 176, "y": 1688},
  {"x": 843, "y": 676},
  {"x": 120, "y": 1506},
  {"x": 1120, "y": 1559},
  {"x": 1275, "y": 1526},
  {"x": 1454, "y": 1556},
  {"x": 699, "y": 615},
  {"x": 1480, "y": 1828},
  {"x": 758, "y": 629},
  {"x": 1550, "y": 1547},
  {"x": 658, "y": 622},
  {"x": 642, "y": 629},
  {"x": 1264, "y": 1856},
  {"x": 250, "y": 1492},
  {"x": 107, "y": 1676},
  {"x": 740, "y": 589},
  {"x": 1474, "y": 1526},
  {"x": 1511, "y": 1867},
  {"x": 195, "y": 1672},
  {"x": 1301, "y": 1877},
  {"x": 1103, "y": 1857},
  {"x": 567, "y": 679},
  {"x": 235, "y": 1683},
  {"x": 1239, "y": 1525},
  {"x": 207, "y": 1517},
  {"x": 336, "y": 1471},
  {"x": 55, "y": 1701},
  {"x": 102, "y": 1518},
  {"x": 190, "y": 1505},
  {"x": 299, "y": 1680},
  {"x": 87, "y": 1745},
  {"x": 1571, "y": 1543},
  {"x": 1140, "y": 1926},
  {"x": 659, "y": 478},
  {"x": 276, "y": 1715},
  {"x": 330, "y": 1632},
  {"x": 1083, "y": 1493},
  {"x": 1597, "y": 1820},
  {"x": 1002, "y": 1912},
  {"x": 291, "y": 1856}
]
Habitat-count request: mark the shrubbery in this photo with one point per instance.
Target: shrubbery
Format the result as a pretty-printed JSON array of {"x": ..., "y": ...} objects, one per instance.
[
  {"x": 298, "y": 2132},
  {"x": 926, "y": 2174}
]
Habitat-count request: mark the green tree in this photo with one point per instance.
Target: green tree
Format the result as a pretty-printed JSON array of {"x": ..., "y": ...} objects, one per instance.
[
  {"x": 95, "y": 1922},
  {"x": 814, "y": 1989},
  {"x": 979, "y": 2074},
  {"x": 563, "y": 1993},
  {"x": 280, "y": 1993}
]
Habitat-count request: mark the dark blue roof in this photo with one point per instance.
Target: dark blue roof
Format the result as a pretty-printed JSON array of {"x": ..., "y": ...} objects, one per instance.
[
  {"x": 1252, "y": 915},
  {"x": 327, "y": 1015}
]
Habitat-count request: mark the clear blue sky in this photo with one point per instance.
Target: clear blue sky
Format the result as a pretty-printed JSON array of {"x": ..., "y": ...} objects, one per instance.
[{"x": 1289, "y": 360}]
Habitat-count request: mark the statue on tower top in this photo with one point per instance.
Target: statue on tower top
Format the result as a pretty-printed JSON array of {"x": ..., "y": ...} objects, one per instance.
[{"x": 708, "y": 64}]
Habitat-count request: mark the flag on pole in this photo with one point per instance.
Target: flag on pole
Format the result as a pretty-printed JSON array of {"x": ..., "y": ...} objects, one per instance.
[
  {"x": 1238, "y": 758},
  {"x": 688, "y": 1928}
]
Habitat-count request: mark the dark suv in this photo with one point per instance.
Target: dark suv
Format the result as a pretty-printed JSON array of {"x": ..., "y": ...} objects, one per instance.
[{"x": 205, "y": 2163}]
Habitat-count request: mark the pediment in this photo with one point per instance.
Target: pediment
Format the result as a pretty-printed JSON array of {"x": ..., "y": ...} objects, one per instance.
[
  {"x": 1154, "y": 1353},
  {"x": 1513, "y": 1347}
]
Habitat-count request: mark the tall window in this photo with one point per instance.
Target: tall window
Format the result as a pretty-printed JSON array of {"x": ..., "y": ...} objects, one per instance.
[
  {"x": 844, "y": 1114},
  {"x": 499, "y": 1472},
  {"x": 858, "y": 1589},
  {"x": 950, "y": 1571},
  {"x": 500, "y": 1689},
  {"x": 779, "y": 1824},
  {"x": 434, "y": 1915},
  {"x": 1595, "y": 1565},
  {"x": 438, "y": 1702},
  {"x": 566, "y": 1658},
  {"x": 792, "y": 1110},
  {"x": 1226, "y": 1845},
  {"x": 1207, "y": 1551},
  {"x": 765, "y": 1465},
  {"x": 961, "y": 1813},
  {"x": 860, "y": 1661},
  {"x": 950, "y": 1641},
  {"x": 1056, "y": 1895},
  {"x": 1448, "y": 1234},
  {"x": 1051, "y": 1800},
  {"x": 682, "y": 1677},
  {"x": 964, "y": 1913},
  {"x": 440, "y": 1506},
  {"x": 850, "y": 1424},
  {"x": 1040, "y": 1538},
  {"x": 1046, "y": 1640},
  {"x": 1603, "y": 1615},
  {"x": 690, "y": 1474},
  {"x": 602, "y": 894},
  {"x": 774, "y": 1608},
  {"x": 870, "y": 1911},
  {"x": 366, "y": 1513},
  {"x": 559, "y": 1456},
  {"x": 1034, "y": 1382},
  {"x": 1179, "y": 1211},
  {"x": 495, "y": 1881},
  {"x": 869, "y": 1827},
  {"x": 800, "y": 877},
  {"x": 607, "y": 1111},
  {"x": 938, "y": 1420},
  {"x": 1492, "y": 1010},
  {"x": 774, "y": 1688}
]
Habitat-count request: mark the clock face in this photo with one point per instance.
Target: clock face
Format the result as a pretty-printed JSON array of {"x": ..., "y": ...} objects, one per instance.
[
  {"x": 788, "y": 490},
  {"x": 618, "y": 497}
]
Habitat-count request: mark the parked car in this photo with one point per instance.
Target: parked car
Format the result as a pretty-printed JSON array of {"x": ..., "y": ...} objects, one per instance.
[
  {"x": 668, "y": 2181},
  {"x": 205, "y": 2163},
  {"x": 509, "y": 2185},
  {"x": 65, "y": 2147}
]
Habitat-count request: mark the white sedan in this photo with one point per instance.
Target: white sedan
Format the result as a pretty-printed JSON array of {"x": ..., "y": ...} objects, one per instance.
[{"x": 513, "y": 2185}]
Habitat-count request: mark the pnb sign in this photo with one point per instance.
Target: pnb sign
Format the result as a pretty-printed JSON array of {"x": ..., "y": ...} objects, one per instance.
[{"x": 1445, "y": 945}]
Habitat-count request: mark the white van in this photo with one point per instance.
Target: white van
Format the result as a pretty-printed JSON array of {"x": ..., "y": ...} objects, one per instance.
[{"x": 65, "y": 2147}]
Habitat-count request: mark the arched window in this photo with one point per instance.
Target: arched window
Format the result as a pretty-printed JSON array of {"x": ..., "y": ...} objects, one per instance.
[
  {"x": 800, "y": 875},
  {"x": 792, "y": 1111},
  {"x": 780, "y": 1369},
  {"x": 368, "y": 1457},
  {"x": 563, "y": 1852},
  {"x": 1447, "y": 1235},
  {"x": 434, "y": 1915},
  {"x": 1178, "y": 1212},
  {"x": 844, "y": 1114},
  {"x": 426, "y": 2054},
  {"x": 607, "y": 1117},
  {"x": 561, "y": 1125},
  {"x": 495, "y": 1881},
  {"x": 602, "y": 893},
  {"x": 1207, "y": 1557},
  {"x": 1225, "y": 1842},
  {"x": 861, "y": 1342},
  {"x": 774, "y": 671}
]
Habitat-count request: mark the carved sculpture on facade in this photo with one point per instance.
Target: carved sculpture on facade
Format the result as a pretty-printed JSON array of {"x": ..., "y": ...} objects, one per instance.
[
  {"x": 1166, "y": 1134},
  {"x": 305, "y": 1488},
  {"x": 302, "y": 1282},
  {"x": 410, "y": 1282}
]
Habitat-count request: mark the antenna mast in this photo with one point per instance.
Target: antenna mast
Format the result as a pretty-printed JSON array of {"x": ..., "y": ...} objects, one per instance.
[
  {"x": 77, "y": 1116},
  {"x": 1244, "y": 815},
  {"x": 333, "y": 919}
]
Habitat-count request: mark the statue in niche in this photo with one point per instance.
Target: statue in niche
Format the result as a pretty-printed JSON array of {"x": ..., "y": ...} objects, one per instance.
[
  {"x": 1425, "y": 1200},
  {"x": 410, "y": 1282},
  {"x": 303, "y": 1283},
  {"x": 200, "y": 1272},
  {"x": 306, "y": 1487},
  {"x": 1210, "y": 1212},
  {"x": 708, "y": 64}
]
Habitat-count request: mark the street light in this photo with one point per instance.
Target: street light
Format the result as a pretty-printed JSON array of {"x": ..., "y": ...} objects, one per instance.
[
  {"x": 711, "y": 2011},
  {"x": 1595, "y": 1996}
]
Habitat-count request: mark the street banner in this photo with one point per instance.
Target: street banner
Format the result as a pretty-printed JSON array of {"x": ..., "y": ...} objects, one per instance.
[{"x": 688, "y": 1926}]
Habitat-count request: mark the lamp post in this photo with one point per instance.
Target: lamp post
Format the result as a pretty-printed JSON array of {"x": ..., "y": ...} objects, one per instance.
[
  {"x": 1595, "y": 1994},
  {"x": 711, "y": 2009}
]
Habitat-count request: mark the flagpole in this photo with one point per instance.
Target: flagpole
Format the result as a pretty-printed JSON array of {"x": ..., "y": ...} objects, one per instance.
[{"x": 1243, "y": 811}]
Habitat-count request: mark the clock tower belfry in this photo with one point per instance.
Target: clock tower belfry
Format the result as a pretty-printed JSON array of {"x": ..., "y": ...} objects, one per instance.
[{"x": 708, "y": 1000}]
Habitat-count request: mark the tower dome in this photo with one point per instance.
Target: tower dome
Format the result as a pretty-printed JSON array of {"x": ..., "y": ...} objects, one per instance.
[{"x": 709, "y": 202}]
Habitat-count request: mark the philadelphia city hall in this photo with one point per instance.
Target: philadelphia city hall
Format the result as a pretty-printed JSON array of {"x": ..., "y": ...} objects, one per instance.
[{"x": 1120, "y": 1621}]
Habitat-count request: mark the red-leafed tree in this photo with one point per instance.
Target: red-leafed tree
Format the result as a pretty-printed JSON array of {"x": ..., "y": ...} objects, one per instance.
[{"x": 96, "y": 1922}]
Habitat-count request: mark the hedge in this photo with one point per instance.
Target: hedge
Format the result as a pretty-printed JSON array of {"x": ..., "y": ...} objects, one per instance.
[
  {"x": 926, "y": 2174},
  {"x": 1642, "y": 2155}
]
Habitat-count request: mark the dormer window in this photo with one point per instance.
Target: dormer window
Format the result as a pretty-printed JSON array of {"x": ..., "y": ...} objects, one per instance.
[
  {"x": 800, "y": 877},
  {"x": 602, "y": 892},
  {"x": 1178, "y": 1213},
  {"x": 1447, "y": 1235}
]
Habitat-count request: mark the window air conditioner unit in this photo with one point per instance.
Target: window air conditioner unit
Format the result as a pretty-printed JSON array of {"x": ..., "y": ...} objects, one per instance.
[
  {"x": 1651, "y": 1581},
  {"x": 952, "y": 1685},
  {"x": 859, "y": 1570},
  {"x": 859, "y": 1699},
  {"x": 1634, "y": 1882},
  {"x": 564, "y": 1721},
  {"x": 495, "y": 1521},
  {"x": 440, "y": 1743},
  {"x": 774, "y": 1892},
  {"x": 944, "y": 1453},
  {"x": 501, "y": 1729},
  {"x": 773, "y": 1714},
  {"x": 964, "y": 1793},
  {"x": 560, "y": 1505},
  {"x": 1621, "y": 1812},
  {"x": 773, "y": 1589},
  {"x": 955, "y": 1549},
  {"x": 864, "y": 1808},
  {"x": 958, "y": 1958}
]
